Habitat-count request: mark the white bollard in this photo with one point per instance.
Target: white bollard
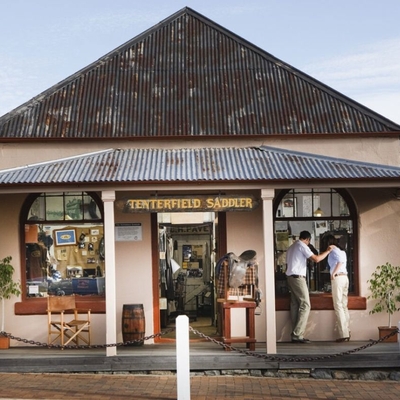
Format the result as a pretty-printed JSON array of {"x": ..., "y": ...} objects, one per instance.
[{"x": 182, "y": 358}]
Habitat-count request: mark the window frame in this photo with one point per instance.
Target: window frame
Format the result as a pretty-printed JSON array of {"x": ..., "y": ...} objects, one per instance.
[
  {"x": 323, "y": 301},
  {"x": 38, "y": 305}
]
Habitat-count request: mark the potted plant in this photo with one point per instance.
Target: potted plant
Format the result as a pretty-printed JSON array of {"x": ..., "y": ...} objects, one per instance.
[
  {"x": 384, "y": 285},
  {"x": 7, "y": 288}
]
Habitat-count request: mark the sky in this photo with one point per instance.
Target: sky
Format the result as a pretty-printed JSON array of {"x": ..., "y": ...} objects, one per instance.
[{"x": 353, "y": 46}]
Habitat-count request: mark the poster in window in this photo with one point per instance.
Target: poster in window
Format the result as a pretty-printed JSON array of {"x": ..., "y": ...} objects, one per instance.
[{"x": 65, "y": 237}]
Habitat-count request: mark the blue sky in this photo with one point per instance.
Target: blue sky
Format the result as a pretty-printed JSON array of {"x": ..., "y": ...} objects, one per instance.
[{"x": 351, "y": 45}]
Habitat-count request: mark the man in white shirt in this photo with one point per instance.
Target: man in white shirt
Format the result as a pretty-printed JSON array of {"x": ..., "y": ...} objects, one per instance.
[{"x": 296, "y": 258}]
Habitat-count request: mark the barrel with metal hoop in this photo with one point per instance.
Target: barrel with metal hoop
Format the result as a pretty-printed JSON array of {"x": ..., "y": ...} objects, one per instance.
[{"x": 133, "y": 324}]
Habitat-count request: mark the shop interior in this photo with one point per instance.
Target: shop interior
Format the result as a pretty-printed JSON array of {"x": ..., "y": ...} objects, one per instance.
[
  {"x": 186, "y": 269},
  {"x": 320, "y": 214},
  {"x": 64, "y": 260}
]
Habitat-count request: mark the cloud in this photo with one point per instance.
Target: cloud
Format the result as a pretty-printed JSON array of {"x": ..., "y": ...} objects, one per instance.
[{"x": 370, "y": 75}]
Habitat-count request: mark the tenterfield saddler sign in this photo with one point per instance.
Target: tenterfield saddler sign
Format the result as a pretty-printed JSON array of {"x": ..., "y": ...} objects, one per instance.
[{"x": 188, "y": 204}]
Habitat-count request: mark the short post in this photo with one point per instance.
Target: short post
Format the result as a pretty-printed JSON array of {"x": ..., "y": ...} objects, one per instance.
[{"x": 182, "y": 357}]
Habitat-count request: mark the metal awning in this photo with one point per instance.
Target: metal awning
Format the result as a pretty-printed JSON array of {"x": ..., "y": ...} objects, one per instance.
[{"x": 195, "y": 165}]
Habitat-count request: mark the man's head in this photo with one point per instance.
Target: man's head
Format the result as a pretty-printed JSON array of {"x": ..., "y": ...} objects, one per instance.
[{"x": 305, "y": 236}]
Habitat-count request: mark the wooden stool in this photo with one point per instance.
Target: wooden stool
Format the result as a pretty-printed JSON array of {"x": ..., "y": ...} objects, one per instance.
[{"x": 250, "y": 338}]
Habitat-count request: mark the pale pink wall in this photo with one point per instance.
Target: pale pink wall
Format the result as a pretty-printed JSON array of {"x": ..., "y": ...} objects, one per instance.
[
  {"x": 382, "y": 151},
  {"x": 244, "y": 232},
  {"x": 134, "y": 271},
  {"x": 379, "y": 242}
]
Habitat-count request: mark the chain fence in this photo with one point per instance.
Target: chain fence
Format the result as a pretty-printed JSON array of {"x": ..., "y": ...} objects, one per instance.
[
  {"x": 210, "y": 339},
  {"x": 136, "y": 342},
  {"x": 290, "y": 358}
]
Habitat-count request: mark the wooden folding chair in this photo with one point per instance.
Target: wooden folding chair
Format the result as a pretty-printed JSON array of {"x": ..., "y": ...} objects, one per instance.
[{"x": 61, "y": 327}]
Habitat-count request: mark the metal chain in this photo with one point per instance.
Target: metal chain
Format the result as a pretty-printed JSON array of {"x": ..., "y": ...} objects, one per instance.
[
  {"x": 210, "y": 339},
  {"x": 292, "y": 359},
  {"x": 89, "y": 346}
]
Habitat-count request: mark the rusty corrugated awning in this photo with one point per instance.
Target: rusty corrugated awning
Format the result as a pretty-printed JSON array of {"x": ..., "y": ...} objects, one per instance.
[{"x": 251, "y": 164}]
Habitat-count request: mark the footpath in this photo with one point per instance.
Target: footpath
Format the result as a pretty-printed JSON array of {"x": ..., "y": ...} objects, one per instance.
[{"x": 100, "y": 386}]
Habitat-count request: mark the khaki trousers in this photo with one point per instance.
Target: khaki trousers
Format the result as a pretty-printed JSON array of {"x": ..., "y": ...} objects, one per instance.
[
  {"x": 340, "y": 289},
  {"x": 299, "y": 306}
]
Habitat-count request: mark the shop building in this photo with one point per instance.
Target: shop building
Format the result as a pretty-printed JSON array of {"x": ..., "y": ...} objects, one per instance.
[{"x": 188, "y": 143}]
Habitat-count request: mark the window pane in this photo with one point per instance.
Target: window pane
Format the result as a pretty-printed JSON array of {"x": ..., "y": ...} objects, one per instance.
[
  {"x": 73, "y": 207},
  {"x": 325, "y": 204},
  {"x": 343, "y": 207},
  {"x": 91, "y": 211},
  {"x": 37, "y": 210},
  {"x": 63, "y": 256},
  {"x": 54, "y": 208},
  {"x": 320, "y": 212},
  {"x": 311, "y": 203},
  {"x": 64, "y": 259},
  {"x": 289, "y": 207}
]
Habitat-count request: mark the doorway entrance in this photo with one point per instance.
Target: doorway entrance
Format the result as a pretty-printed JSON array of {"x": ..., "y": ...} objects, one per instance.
[{"x": 187, "y": 256}]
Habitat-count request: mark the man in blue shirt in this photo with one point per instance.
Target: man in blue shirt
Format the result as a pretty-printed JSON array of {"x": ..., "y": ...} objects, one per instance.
[{"x": 337, "y": 262}]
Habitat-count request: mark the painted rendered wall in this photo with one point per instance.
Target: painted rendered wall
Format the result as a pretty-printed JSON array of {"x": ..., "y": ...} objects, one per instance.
[
  {"x": 134, "y": 272},
  {"x": 244, "y": 232},
  {"x": 379, "y": 231},
  {"x": 32, "y": 327},
  {"x": 381, "y": 151}
]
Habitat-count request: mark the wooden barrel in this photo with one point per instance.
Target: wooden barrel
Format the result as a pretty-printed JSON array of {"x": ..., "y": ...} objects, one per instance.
[{"x": 133, "y": 324}]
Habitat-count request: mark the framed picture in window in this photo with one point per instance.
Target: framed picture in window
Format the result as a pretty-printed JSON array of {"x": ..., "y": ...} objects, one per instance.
[
  {"x": 65, "y": 237},
  {"x": 289, "y": 209}
]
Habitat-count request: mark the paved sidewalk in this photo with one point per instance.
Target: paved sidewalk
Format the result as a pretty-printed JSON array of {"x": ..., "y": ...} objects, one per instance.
[{"x": 160, "y": 387}]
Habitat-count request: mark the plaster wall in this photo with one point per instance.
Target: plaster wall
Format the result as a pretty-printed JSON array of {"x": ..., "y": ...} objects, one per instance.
[
  {"x": 379, "y": 221},
  {"x": 381, "y": 151},
  {"x": 10, "y": 206},
  {"x": 244, "y": 232},
  {"x": 134, "y": 272},
  {"x": 379, "y": 226},
  {"x": 32, "y": 327}
]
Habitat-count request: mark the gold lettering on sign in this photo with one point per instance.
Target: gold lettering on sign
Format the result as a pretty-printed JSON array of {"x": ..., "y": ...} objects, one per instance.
[{"x": 198, "y": 203}]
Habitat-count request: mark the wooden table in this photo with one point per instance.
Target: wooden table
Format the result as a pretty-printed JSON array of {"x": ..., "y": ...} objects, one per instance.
[{"x": 250, "y": 338}]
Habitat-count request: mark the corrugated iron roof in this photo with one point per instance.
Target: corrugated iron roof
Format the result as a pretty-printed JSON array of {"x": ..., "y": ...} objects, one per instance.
[
  {"x": 252, "y": 164},
  {"x": 189, "y": 77}
]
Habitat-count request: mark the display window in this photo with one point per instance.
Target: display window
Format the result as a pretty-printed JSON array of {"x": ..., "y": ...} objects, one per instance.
[
  {"x": 321, "y": 212},
  {"x": 63, "y": 245}
]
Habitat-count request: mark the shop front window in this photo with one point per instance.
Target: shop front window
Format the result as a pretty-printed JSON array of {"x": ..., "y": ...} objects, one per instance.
[
  {"x": 321, "y": 212},
  {"x": 64, "y": 245}
]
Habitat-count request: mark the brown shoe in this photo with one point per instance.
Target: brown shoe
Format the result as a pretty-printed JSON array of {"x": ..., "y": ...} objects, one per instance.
[
  {"x": 303, "y": 340},
  {"x": 343, "y": 339}
]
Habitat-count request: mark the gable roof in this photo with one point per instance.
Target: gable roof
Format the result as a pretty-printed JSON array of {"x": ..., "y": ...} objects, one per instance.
[
  {"x": 223, "y": 165},
  {"x": 189, "y": 77}
]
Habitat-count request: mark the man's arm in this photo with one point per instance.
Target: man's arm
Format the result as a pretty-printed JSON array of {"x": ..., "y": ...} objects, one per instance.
[
  {"x": 319, "y": 257},
  {"x": 338, "y": 264}
]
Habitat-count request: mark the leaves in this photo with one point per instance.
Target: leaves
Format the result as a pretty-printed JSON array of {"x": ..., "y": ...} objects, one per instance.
[
  {"x": 7, "y": 286},
  {"x": 385, "y": 287}
]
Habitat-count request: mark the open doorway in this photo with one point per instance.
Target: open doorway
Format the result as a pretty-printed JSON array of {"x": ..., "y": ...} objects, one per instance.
[{"x": 187, "y": 256}]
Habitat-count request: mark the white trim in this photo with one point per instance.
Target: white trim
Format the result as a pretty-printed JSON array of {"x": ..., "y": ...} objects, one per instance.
[
  {"x": 267, "y": 196},
  {"x": 108, "y": 198}
]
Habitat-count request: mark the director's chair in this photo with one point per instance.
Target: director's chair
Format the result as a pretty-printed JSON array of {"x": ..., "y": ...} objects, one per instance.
[{"x": 59, "y": 308}]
